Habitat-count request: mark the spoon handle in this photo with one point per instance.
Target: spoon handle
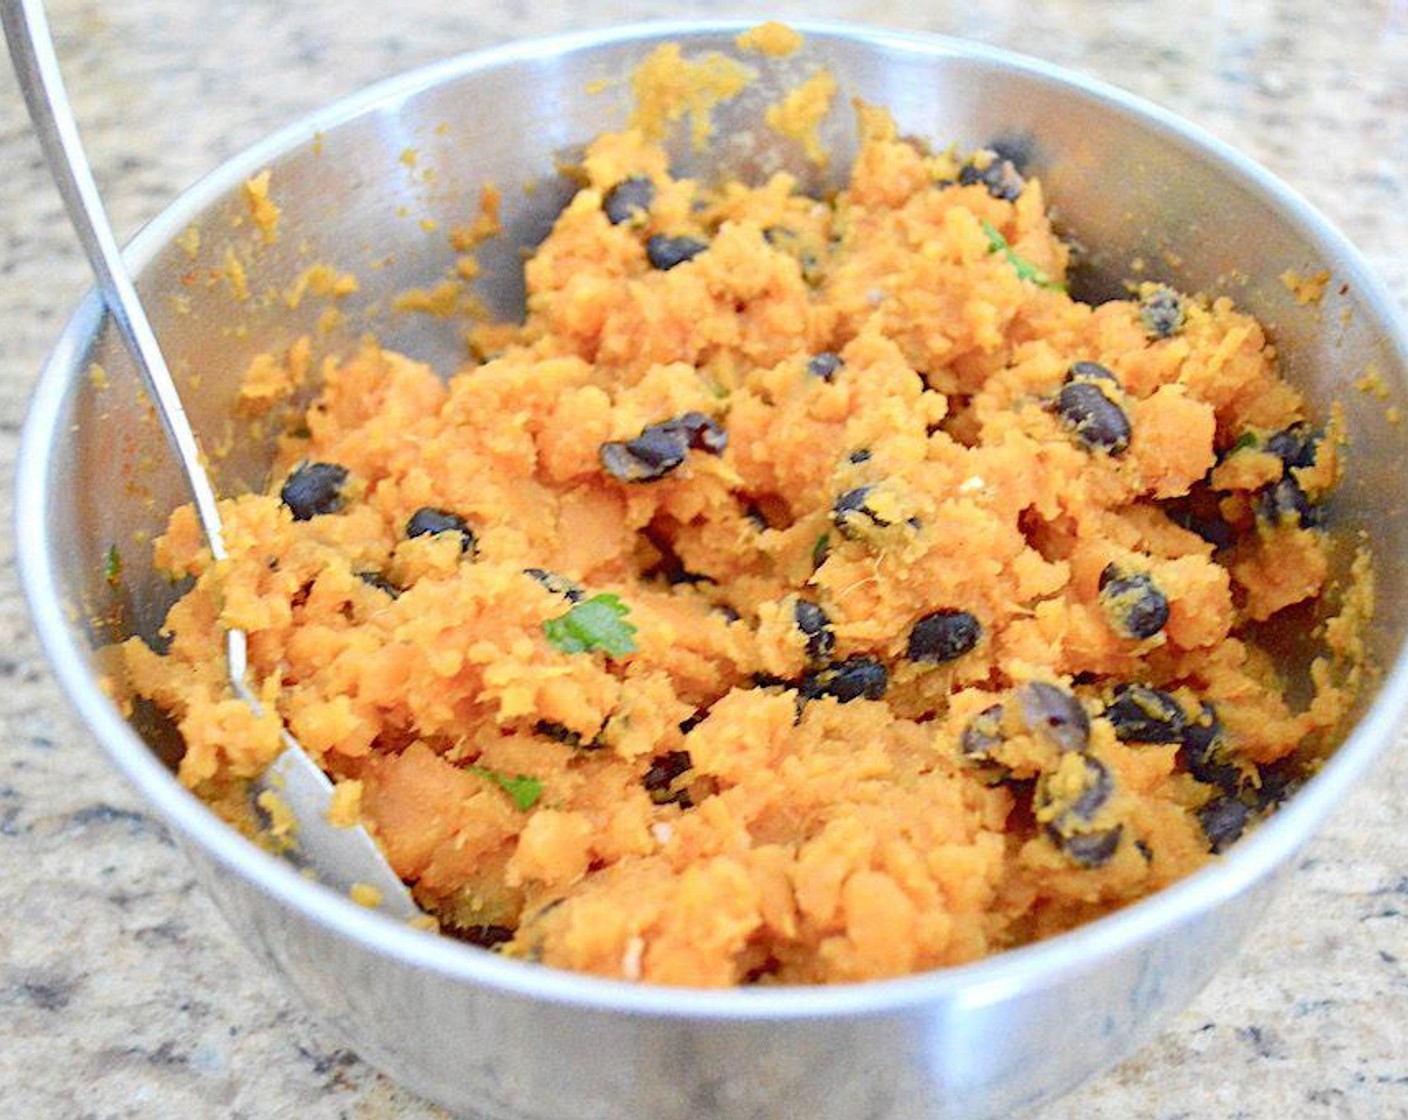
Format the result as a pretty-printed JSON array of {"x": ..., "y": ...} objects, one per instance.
[
  {"x": 344, "y": 855},
  {"x": 32, "y": 51}
]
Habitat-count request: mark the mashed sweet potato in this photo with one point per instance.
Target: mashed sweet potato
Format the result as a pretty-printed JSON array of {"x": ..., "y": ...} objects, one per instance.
[{"x": 806, "y": 591}]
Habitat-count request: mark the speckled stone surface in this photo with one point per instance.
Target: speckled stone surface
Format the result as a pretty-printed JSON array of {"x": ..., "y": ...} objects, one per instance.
[{"x": 123, "y": 993}]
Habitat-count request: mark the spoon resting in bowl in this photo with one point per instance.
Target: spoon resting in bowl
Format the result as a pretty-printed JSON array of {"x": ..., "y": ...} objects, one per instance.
[{"x": 341, "y": 857}]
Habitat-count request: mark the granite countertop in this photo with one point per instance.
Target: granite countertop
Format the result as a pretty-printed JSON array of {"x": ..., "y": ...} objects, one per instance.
[{"x": 122, "y": 991}]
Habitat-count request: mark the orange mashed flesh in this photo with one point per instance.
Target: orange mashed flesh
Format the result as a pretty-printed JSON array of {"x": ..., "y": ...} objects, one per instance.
[{"x": 905, "y": 651}]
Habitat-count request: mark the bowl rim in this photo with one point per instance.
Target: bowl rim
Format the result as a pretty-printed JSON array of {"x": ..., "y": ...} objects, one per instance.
[{"x": 988, "y": 980}]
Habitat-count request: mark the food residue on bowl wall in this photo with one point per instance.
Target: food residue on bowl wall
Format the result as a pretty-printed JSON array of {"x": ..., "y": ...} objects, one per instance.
[
  {"x": 668, "y": 87},
  {"x": 262, "y": 209},
  {"x": 776, "y": 40},
  {"x": 800, "y": 113},
  {"x": 1306, "y": 289}
]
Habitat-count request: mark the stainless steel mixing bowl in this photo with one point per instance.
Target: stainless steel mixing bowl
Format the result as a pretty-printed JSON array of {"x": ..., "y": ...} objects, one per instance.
[{"x": 493, "y": 1037}]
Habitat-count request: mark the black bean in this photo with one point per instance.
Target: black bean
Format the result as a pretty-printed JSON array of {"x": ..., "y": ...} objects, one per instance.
[
  {"x": 1140, "y": 714},
  {"x": 485, "y": 936},
  {"x": 1000, "y": 177},
  {"x": 1162, "y": 312},
  {"x": 380, "y": 582},
  {"x": 944, "y": 635},
  {"x": 428, "y": 522},
  {"x": 660, "y": 777},
  {"x": 1203, "y": 752},
  {"x": 858, "y": 677},
  {"x": 825, "y": 365},
  {"x": 852, "y": 516},
  {"x": 1223, "y": 775},
  {"x": 767, "y": 680},
  {"x": 1097, "y": 421},
  {"x": 983, "y": 733},
  {"x": 1295, "y": 446},
  {"x": 1070, "y": 812},
  {"x": 1278, "y": 781},
  {"x": 1090, "y": 849},
  {"x": 1202, "y": 737},
  {"x": 1286, "y": 503},
  {"x": 312, "y": 489},
  {"x": 560, "y": 733},
  {"x": 628, "y": 198},
  {"x": 852, "y": 501},
  {"x": 859, "y": 455},
  {"x": 660, "y": 448},
  {"x": 1202, "y": 518},
  {"x": 1135, "y": 605},
  {"x": 1096, "y": 788},
  {"x": 1055, "y": 714},
  {"x": 1075, "y": 810},
  {"x": 1223, "y": 820},
  {"x": 816, "y": 625},
  {"x": 703, "y": 432},
  {"x": 557, "y": 732},
  {"x": 648, "y": 457},
  {"x": 1218, "y": 533},
  {"x": 1090, "y": 371},
  {"x": 665, "y": 253},
  {"x": 570, "y": 590}
]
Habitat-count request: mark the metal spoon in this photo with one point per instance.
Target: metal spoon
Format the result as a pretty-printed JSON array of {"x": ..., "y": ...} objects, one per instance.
[{"x": 341, "y": 857}]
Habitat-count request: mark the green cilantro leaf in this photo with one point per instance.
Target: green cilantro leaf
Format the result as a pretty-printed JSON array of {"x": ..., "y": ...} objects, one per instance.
[
  {"x": 820, "y": 549},
  {"x": 1025, "y": 269},
  {"x": 112, "y": 566},
  {"x": 1246, "y": 439},
  {"x": 524, "y": 790},
  {"x": 595, "y": 623}
]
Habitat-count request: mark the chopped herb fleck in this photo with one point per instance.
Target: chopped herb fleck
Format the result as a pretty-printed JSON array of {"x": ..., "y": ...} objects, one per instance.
[
  {"x": 595, "y": 623},
  {"x": 1025, "y": 269},
  {"x": 820, "y": 549},
  {"x": 1246, "y": 439},
  {"x": 112, "y": 566},
  {"x": 524, "y": 790}
]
